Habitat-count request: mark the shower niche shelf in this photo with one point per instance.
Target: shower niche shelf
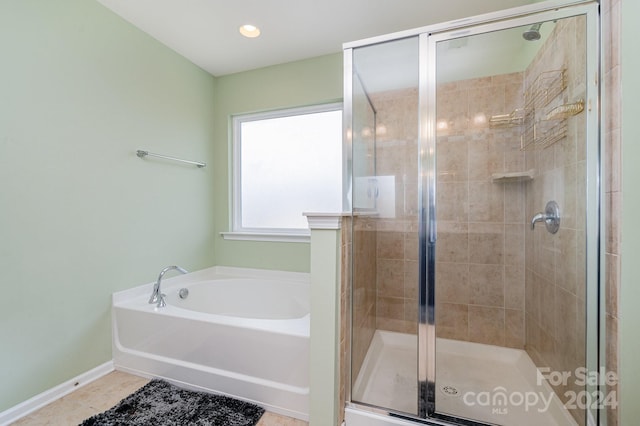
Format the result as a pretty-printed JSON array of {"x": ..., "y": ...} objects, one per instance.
[{"x": 513, "y": 177}]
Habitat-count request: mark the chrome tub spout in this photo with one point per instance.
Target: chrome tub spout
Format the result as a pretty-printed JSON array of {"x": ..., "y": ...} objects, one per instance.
[{"x": 157, "y": 296}]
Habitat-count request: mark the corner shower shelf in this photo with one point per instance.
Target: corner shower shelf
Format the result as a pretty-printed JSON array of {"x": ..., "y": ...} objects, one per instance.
[
  {"x": 543, "y": 134},
  {"x": 544, "y": 89},
  {"x": 545, "y": 112},
  {"x": 513, "y": 177},
  {"x": 562, "y": 112}
]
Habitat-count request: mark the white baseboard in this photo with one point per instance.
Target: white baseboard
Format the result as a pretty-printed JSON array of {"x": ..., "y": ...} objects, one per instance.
[{"x": 29, "y": 406}]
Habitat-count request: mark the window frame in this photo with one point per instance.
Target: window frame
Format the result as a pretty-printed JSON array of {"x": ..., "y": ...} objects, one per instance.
[{"x": 237, "y": 232}]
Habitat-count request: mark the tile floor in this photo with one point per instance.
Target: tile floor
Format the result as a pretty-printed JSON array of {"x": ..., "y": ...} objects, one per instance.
[{"x": 103, "y": 394}]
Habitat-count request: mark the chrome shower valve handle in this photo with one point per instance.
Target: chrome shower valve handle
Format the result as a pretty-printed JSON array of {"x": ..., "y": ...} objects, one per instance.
[{"x": 550, "y": 217}]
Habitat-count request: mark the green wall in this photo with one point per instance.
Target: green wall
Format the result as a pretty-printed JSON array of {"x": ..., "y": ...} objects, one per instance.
[
  {"x": 312, "y": 81},
  {"x": 629, "y": 326},
  {"x": 80, "y": 215}
]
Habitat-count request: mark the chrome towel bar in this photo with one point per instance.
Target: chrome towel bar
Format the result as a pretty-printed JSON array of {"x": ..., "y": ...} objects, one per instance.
[{"x": 143, "y": 154}]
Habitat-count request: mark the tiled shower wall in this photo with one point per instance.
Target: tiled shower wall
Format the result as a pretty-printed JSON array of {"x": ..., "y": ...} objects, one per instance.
[
  {"x": 611, "y": 23},
  {"x": 397, "y": 234},
  {"x": 362, "y": 231},
  {"x": 487, "y": 245},
  {"x": 480, "y": 249},
  {"x": 555, "y": 263},
  {"x": 345, "y": 307},
  {"x": 363, "y": 281},
  {"x": 385, "y": 249}
]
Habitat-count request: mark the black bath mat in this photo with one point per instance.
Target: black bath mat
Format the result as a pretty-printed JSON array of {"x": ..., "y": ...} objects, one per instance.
[{"x": 159, "y": 403}]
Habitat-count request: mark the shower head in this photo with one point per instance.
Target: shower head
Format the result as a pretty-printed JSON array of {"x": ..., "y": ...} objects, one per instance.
[{"x": 532, "y": 33}]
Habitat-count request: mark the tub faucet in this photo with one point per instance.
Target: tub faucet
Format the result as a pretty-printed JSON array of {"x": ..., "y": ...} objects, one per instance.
[{"x": 157, "y": 296}]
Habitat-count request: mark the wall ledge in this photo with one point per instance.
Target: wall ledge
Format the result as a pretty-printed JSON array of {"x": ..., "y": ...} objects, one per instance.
[
  {"x": 325, "y": 220},
  {"x": 266, "y": 236}
]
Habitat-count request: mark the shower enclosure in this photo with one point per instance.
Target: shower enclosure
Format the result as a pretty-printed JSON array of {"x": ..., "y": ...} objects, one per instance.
[{"x": 474, "y": 155}]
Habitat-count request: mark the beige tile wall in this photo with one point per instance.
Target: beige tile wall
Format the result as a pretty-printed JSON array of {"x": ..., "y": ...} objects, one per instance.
[
  {"x": 481, "y": 223},
  {"x": 345, "y": 303},
  {"x": 363, "y": 280},
  {"x": 384, "y": 250},
  {"x": 397, "y": 242},
  {"x": 359, "y": 261},
  {"x": 611, "y": 23},
  {"x": 488, "y": 246},
  {"x": 555, "y": 263}
]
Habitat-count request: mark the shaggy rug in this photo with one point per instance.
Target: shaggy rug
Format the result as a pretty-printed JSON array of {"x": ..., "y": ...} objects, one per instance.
[{"x": 160, "y": 403}]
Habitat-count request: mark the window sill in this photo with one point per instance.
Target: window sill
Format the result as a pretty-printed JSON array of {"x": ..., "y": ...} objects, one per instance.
[{"x": 264, "y": 236}]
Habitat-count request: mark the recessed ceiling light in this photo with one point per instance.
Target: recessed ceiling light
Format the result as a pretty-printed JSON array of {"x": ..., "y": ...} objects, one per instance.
[{"x": 250, "y": 31}]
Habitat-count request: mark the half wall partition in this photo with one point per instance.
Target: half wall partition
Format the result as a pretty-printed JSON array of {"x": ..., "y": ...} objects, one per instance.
[{"x": 475, "y": 193}]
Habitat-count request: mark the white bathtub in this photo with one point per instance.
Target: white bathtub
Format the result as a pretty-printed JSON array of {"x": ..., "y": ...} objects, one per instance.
[{"x": 243, "y": 333}]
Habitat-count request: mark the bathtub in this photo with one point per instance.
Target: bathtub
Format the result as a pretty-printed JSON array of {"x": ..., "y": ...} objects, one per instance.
[{"x": 239, "y": 332}]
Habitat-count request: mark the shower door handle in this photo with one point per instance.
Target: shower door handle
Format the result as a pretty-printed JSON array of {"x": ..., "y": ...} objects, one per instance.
[{"x": 550, "y": 217}]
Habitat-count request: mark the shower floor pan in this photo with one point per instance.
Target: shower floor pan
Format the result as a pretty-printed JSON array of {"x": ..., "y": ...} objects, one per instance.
[{"x": 482, "y": 382}]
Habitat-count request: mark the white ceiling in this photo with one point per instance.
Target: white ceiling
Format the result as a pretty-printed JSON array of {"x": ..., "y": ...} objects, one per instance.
[{"x": 206, "y": 31}]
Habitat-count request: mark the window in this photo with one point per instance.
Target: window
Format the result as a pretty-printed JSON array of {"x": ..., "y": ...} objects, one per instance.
[{"x": 285, "y": 163}]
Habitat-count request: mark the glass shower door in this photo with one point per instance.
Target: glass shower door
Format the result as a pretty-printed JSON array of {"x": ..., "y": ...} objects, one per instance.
[{"x": 511, "y": 181}]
